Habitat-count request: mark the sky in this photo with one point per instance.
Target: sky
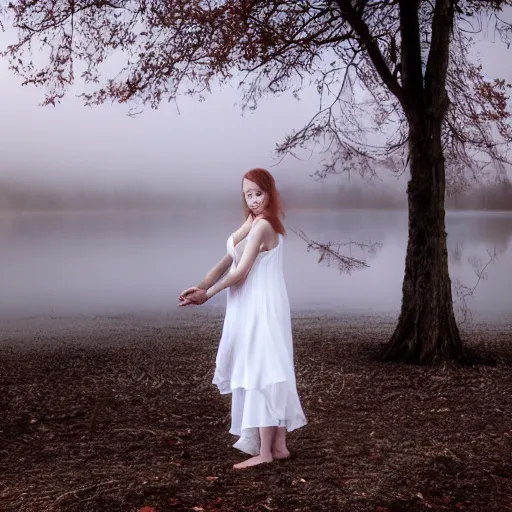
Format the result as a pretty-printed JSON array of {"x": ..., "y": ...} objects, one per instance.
[
  {"x": 206, "y": 143},
  {"x": 207, "y": 146}
]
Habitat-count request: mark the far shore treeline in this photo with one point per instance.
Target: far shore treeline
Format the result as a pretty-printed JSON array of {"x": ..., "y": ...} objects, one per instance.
[{"x": 27, "y": 197}]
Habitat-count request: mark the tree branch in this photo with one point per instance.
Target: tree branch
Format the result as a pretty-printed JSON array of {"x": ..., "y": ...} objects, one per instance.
[
  {"x": 332, "y": 252},
  {"x": 463, "y": 292},
  {"x": 412, "y": 74},
  {"x": 438, "y": 58},
  {"x": 354, "y": 18}
]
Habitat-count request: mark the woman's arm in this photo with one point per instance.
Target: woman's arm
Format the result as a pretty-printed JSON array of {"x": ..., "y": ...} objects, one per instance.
[
  {"x": 216, "y": 272},
  {"x": 211, "y": 278},
  {"x": 251, "y": 251},
  {"x": 243, "y": 230},
  {"x": 223, "y": 266}
]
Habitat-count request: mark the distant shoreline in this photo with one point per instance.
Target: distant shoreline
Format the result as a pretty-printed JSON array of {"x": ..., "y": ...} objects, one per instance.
[
  {"x": 6, "y": 212},
  {"x": 335, "y": 195}
]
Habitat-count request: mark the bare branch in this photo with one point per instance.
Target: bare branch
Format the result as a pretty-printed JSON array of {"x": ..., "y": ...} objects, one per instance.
[
  {"x": 331, "y": 252},
  {"x": 438, "y": 57},
  {"x": 464, "y": 292},
  {"x": 412, "y": 75},
  {"x": 355, "y": 20},
  {"x": 348, "y": 50}
]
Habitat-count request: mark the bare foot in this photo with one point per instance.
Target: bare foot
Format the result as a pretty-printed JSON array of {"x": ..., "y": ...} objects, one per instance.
[
  {"x": 253, "y": 461},
  {"x": 281, "y": 454}
]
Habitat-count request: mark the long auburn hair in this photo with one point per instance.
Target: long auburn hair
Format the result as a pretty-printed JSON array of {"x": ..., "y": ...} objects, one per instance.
[{"x": 274, "y": 210}]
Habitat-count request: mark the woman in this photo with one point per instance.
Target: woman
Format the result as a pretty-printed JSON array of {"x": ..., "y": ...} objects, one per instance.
[{"x": 255, "y": 356}]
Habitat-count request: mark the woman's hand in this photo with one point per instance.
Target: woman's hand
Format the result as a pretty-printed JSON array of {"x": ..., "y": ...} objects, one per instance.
[
  {"x": 194, "y": 295},
  {"x": 188, "y": 291}
]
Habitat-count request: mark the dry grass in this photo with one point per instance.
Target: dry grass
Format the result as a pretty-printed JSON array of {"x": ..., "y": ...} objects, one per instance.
[{"x": 118, "y": 419}]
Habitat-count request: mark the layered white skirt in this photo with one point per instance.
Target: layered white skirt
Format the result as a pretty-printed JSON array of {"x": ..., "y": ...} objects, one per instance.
[{"x": 255, "y": 356}]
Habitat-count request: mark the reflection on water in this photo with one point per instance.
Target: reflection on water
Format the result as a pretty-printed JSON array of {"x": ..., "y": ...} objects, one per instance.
[{"x": 97, "y": 263}]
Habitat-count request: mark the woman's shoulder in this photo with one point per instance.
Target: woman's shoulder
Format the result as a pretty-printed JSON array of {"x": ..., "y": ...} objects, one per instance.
[
  {"x": 243, "y": 230},
  {"x": 263, "y": 230},
  {"x": 262, "y": 225}
]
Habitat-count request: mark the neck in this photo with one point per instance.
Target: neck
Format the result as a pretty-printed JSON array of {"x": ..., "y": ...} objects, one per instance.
[{"x": 260, "y": 215}]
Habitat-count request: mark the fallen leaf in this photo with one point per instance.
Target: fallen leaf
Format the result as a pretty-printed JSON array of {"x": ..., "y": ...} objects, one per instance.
[
  {"x": 375, "y": 454},
  {"x": 214, "y": 504},
  {"x": 212, "y": 478}
]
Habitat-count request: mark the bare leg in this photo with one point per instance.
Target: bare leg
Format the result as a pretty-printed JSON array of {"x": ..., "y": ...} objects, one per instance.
[
  {"x": 267, "y": 435},
  {"x": 279, "y": 448}
]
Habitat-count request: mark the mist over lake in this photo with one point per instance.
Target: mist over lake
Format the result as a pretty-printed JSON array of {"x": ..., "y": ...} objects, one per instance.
[{"x": 99, "y": 263}]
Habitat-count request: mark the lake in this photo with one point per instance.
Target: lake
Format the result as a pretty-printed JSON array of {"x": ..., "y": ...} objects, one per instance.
[{"x": 127, "y": 262}]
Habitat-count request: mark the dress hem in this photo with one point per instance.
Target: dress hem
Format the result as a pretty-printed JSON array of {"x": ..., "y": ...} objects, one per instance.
[{"x": 228, "y": 389}]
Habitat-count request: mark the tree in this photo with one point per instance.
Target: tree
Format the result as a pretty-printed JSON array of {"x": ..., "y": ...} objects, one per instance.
[{"x": 397, "y": 87}]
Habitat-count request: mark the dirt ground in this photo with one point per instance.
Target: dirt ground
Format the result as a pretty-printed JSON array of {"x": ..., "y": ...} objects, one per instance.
[{"x": 123, "y": 417}]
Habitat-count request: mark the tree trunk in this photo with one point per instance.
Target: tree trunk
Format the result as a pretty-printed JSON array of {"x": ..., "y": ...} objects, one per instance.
[{"x": 426, "y": 330}]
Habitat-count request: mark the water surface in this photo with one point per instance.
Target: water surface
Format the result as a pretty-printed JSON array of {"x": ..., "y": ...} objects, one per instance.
[{"x": 125, "y": 262}]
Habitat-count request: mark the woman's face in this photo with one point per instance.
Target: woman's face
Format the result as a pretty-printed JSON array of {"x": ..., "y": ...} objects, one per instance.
[{"x": 255, "y": 198}]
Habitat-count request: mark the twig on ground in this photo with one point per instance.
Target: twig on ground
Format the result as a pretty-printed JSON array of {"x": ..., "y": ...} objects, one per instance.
[
  {"x": 137, "y": 430},
  {"x": 82, "y": 489}
]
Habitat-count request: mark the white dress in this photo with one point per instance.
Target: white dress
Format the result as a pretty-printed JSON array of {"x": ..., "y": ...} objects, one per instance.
[{"x": 255, "y": 355}]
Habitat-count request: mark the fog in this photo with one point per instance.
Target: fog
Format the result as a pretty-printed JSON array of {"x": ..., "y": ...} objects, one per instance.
[
  {"x": 188, "y": 159},
  {"x": 192, "y": 146},
  {"x": 16, "y": 197},
  {"x": 113, "y": 263},
  {"x": 206, "y": 145}
]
